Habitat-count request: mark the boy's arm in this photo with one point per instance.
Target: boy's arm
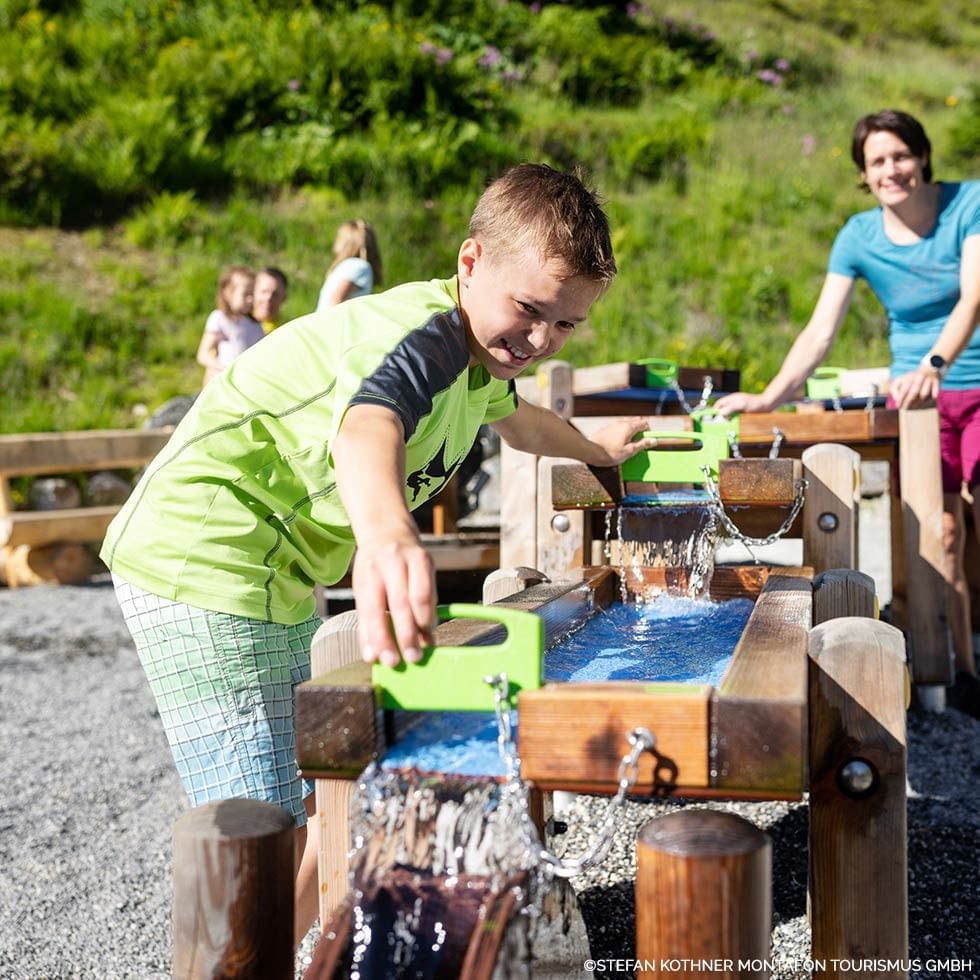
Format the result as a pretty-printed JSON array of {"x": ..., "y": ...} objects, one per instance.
[
  {"x": 532, "y": 429},
  {"x": 392, "y": 571}
]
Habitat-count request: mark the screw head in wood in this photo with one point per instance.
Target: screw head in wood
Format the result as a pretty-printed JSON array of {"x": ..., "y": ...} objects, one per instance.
[
  {"x": 827, "y": 522},
  {"x": 857, "y": 778}
]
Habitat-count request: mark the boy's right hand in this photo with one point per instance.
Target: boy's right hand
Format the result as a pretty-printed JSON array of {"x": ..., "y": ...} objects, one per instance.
[
  {"x": 393, "y": 573},
  {"x": 740, "y": 401}
]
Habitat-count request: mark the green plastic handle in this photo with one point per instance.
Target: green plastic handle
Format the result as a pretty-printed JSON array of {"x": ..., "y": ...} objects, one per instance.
[
  {"x": 824, "y": 383},
  {"x": 660, "y": 371},
  {"x": 677, "y": 465},
  {"x": 452, "y": 678},
  {"x": 708, "y": 421}
]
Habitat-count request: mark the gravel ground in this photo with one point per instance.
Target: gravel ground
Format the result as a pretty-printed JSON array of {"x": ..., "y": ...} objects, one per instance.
[{"x": 90, "y": 796}]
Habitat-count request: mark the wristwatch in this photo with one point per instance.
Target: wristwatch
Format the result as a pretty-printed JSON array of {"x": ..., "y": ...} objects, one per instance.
[{"x": 936, "y": 363}]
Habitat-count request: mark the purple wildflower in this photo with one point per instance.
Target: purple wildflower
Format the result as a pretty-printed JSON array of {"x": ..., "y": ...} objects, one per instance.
[
  {"x": 535, "y": 8},
  {"x": 490, "y": 57},
  {"x": 788, "y": 109},
  {"x": 770, "y": 77},
  {"x": 808, "y": 144},
  {"x": 426, "y": 48},
  {"x": 782, "y": 65},
  {"x": 443, "y": 56},
  {"x": 293, "y": 85}
]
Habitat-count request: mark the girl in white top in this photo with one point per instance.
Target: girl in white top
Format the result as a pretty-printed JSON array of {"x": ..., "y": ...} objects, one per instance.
[
  {"x": 356, "y": 266},
  {"x": 230, "y": 328}
]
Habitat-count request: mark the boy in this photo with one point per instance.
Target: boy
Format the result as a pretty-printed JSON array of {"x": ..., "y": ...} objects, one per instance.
[
  {"x": 327, "y": 433},
  {"x": 271, "y": 289}
]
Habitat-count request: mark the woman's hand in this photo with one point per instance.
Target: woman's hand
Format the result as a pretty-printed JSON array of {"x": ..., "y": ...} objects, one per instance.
[
  {"x": 741, "y": 401},
  {"x": 615, "y": 441},
  {"x": 915, "y": 389}
]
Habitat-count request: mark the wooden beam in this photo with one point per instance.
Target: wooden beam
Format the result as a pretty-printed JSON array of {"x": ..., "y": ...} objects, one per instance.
[
  {"x": 66, "y": 452},
  {"x": 334, "y": 646},
  {"x": 759, "y": 710},
  {"x": 574, "y": 735},
  {"x": 462, "y": 552},
  {"x": 927, "y": 627},
  {"x": 858, "y": 834},
  {"x": 43, "y": 527},
  {"x": 845, "y": 427},
  {"x": 843, "y": 592},
  {"x": 830, "y": 517},
  {"x": 507, "y": 582},
  {"x": 759, "y": 481}
]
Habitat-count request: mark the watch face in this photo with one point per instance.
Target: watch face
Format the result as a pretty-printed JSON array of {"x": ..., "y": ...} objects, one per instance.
[{"x": 938, "y": 362}]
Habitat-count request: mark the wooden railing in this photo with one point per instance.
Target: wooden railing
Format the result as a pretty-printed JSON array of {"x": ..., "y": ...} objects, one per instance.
[{"x": 50, "y": 545}]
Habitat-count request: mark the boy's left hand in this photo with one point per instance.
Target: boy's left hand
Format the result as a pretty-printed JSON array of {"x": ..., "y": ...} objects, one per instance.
[{"x": 616, "y": 443}]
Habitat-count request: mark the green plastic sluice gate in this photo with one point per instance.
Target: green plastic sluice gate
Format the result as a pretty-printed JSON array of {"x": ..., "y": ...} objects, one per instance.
[
  {"x": 454, "y": 678},
  {"x": 677, "y": 464}
]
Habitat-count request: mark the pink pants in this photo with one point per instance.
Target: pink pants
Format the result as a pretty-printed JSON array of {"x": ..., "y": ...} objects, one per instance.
[{"x": 959, "y": 437}]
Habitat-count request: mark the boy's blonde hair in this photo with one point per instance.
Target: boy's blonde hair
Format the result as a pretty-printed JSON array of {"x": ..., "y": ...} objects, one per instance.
[
  {"x": 356, "y": 240},
  {"x": 224, "y": 280},
  {"x": 553, "y": 213}
]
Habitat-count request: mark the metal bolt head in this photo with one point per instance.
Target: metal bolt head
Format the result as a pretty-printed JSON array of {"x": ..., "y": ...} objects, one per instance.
[
  {"x": 561, "y": 523},
  {"x": 857, "y": 777},
  {"x": 827, "y": 522}
]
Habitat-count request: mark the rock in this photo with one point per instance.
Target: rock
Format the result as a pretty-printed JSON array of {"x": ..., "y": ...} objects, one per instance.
[
  {"x": 107, "y": 488},
  {"x": 54, "y": 493},
  {"x": 170, "y": 412}
]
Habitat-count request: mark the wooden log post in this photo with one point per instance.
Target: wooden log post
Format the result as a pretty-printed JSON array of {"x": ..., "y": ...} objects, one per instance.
[
  {"x": 843, "y": 592},
  {"x": 334, "y": 645},
  {"x": 830, "y": 517},
  {"x": 703, "y": 892},
  {"x": 233, "y": 892},
  {"x": 858, "y": 840},
  {"x": 930, "y": 653}
]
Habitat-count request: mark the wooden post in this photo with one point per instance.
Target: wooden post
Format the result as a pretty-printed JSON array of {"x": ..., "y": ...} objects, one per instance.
[
  {"x": 703, "y": 892},
  {"x": 830, "y": 517},
  {"x": 930, "y": 653},
  {"x": 506, "y": 582},
  {"x": 550, "y": 388},
  {"x": 334, "y": 645},
  {"x": 899, "y": 601},
  {"x": 858, "y": 841},
  {"x": 233, "y": 892},
  {"x": 843, "y": 592}
]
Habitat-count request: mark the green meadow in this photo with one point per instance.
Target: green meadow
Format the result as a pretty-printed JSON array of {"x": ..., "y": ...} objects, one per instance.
[{"x": 145, "y": 144}]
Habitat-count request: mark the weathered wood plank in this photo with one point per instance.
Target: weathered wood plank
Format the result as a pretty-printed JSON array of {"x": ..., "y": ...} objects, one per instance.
[
  {"x": 43, "y": 527},
  {"x": 66, "y": 452},
  {"x": 575, "y": 735},
  {"x": 759, "y": 711},
  {"x": 843, "y": 592},
  {"x": 759, "y": 481},
  {"x": 845, "y": 427}
]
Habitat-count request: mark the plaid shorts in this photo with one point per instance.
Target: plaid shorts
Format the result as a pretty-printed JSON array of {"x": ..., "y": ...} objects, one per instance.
[{"x": 224, "y": 688}]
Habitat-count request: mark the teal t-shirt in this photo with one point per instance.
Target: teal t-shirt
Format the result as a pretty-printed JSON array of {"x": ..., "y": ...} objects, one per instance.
[
  {"x": 918, "y": 284},
  {"x": 240, "y": 513}
]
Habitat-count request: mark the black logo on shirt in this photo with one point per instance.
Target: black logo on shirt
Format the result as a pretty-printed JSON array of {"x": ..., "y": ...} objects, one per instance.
[{"x": 435, "y": 469}]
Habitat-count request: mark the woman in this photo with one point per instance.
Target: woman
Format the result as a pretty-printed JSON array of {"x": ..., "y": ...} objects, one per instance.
[
  {"x": 920, "y": 254},
  {"x": 356, "y": 266}
]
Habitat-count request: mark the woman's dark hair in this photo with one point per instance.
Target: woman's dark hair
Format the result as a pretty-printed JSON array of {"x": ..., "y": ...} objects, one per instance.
[{"x": 907, "y": 128}]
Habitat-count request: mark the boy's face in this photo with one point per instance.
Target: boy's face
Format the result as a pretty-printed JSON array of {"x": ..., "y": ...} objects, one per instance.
[
  {"x": 269, "y": 297},
  {"x": 517, "y": 309}
]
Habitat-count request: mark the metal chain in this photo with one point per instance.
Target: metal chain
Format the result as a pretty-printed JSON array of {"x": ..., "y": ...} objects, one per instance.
[
  {"x": 640, "y": 739},
  {"x": 730, "y": 528},
  {"x": 777, "y": 441},
  {"x": 707, "y": 387}
]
